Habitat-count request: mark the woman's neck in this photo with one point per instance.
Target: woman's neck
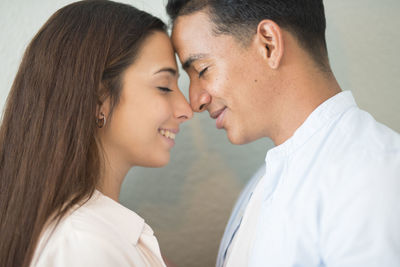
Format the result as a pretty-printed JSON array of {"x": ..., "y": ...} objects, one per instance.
[{"x": 112, "y": 177}]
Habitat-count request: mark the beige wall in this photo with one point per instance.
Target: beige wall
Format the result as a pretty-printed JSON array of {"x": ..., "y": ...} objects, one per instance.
[{"x": 188, "y": 202}]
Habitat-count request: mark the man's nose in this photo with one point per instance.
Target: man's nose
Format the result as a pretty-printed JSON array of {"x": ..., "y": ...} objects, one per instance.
[{"x": 199, "y": 98}]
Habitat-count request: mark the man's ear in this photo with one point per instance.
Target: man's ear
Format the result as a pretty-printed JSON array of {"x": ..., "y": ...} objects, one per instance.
[{"x": 269, "y": 38}]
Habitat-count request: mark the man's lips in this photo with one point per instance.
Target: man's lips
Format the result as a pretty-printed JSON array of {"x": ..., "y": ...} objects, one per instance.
[
  {"x": 215, "y": 114},
  {"x": 219, "y": 115}
]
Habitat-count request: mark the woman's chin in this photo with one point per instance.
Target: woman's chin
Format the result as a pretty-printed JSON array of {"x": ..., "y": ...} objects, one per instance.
[{"x": 157, "y": 162}]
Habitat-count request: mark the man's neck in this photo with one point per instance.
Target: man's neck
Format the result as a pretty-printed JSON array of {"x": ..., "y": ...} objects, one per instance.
[{"x": 307, "y": 92}]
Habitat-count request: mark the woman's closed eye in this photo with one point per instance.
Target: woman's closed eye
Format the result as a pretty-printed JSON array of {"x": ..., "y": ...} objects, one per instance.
[{"x": 164, "y": 89}]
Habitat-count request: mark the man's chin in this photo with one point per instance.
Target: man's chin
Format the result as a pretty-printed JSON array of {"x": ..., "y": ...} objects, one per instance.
[{"x": 238, "y": 139}]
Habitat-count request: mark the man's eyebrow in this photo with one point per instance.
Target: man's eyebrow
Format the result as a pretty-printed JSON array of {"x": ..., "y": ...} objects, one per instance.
[
  {"x": 192, "y": 58},
  {"x": 172, "y": 71}
]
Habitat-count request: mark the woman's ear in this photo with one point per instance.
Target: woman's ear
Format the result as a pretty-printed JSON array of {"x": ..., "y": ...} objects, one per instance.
[
  {"x": 102, "y": 112},
  {"x": 103, "y": 101},
  {"x": 270, "y": 40}
]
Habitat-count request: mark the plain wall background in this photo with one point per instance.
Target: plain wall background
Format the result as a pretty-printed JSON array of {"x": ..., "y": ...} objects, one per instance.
[{"x": 188, "y": 202}]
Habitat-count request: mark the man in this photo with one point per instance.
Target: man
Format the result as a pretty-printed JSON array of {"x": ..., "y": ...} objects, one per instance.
[{"x": 330, "y": 193}]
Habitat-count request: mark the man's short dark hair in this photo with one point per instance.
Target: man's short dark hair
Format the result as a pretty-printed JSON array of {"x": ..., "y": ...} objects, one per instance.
[{"x": 304, "y": 19}]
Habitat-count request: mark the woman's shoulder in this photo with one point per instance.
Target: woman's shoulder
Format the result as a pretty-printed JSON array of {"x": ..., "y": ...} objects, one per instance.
[
  {"x": 101, "y": 232},
  {"x": 101, "y": 214},
  {"x": 103, "y": 217},
  {"x": 68, "y": 245}
]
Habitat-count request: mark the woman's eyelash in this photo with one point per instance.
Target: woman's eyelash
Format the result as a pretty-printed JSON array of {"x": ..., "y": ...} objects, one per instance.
[
  {"x": 202, "y": 72},
  {"x": 165, "y": 89}
]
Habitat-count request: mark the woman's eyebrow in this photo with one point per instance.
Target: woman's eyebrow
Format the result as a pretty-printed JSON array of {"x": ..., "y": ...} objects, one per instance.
[{"x": 167, "y": 69}]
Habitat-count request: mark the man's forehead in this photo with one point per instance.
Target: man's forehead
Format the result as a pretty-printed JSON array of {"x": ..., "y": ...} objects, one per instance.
[
  {"x": 195, "y": 24},
  {"x": 191, "y": 34}
]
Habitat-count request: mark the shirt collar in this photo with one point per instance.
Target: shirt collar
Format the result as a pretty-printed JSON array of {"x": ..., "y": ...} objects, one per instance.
[
  {"x": 127, "y": 222},
  {"x": 328, "y": 110}
]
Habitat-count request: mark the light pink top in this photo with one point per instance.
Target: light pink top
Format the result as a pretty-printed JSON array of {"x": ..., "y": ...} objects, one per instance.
[{"x": 100, "y": 233}]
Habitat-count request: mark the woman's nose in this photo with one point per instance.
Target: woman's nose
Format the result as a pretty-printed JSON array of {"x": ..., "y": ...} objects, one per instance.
[{"x": 183, "y": 110}]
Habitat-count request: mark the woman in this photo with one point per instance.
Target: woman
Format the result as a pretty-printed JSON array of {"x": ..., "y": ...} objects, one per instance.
[{"x": 96, "y": 93}]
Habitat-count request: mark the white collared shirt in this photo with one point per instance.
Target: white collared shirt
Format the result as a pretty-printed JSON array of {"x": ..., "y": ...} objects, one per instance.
[
  {"x": 330, "y": 196},
  {"x": 237, "y": 215},
  {"x": 100, "y": 233}
]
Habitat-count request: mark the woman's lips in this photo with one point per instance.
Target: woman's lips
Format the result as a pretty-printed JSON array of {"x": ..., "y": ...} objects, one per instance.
[{"x": 169, "y": 135}]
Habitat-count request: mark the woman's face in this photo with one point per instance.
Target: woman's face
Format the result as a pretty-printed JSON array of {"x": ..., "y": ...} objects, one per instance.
[{"x": 146, "y": 120}]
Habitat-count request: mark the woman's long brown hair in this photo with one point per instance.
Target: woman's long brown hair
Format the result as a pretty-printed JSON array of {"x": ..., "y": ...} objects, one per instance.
[{"x": 50, "y": 158}]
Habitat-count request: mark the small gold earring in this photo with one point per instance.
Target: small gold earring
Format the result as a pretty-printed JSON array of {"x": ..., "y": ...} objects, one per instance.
[{"x": 100, "y": 122}]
